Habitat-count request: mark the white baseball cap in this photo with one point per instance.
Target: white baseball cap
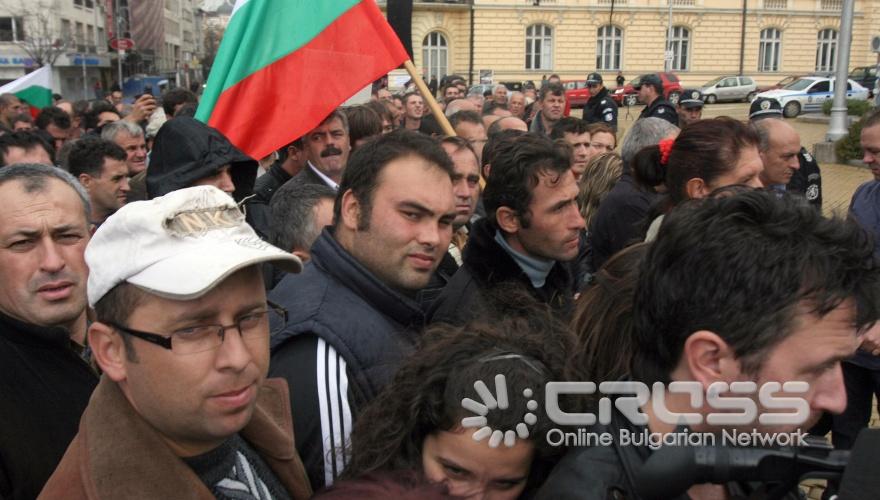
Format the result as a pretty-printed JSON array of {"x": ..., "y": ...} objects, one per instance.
[{"x": 178, "y": 246}]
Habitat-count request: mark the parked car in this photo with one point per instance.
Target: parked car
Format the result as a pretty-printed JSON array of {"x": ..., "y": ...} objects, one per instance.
[
  {"x": 864, "y": 76},
  {"x": 576, "y": 92},
  {"x": 780, "y": 84},
  {"x": 808, "y": 94},
  {"x": 729, "y": 88},
  {"x": 628, "y": 96}
]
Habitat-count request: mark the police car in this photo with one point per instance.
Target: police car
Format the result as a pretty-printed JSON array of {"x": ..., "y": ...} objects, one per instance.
[{"x": 808, "y": 93}]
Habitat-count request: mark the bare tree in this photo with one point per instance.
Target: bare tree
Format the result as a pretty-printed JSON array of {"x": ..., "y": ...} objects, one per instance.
[{"x": 34, "y": 30}]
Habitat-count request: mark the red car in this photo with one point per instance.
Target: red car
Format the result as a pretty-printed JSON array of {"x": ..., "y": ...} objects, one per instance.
[
  {"x": 778, "y": 85},
  {"x": 629, "y": 96},
  {"x": 576, "y": 93}
]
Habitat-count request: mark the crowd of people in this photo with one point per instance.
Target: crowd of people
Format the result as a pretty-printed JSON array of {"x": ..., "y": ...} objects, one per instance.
[{"x": 344, "y": 317}]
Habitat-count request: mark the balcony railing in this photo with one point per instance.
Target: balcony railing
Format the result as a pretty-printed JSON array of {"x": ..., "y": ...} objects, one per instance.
[
  {"x": 776, "y": 4},
  {"x": 832, "y": 4}
]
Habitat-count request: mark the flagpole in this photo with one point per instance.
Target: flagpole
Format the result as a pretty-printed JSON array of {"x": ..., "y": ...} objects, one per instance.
[{"x": 429, "y": 98}]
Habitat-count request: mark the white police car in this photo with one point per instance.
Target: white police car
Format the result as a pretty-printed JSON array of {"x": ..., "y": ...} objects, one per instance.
[{"x": 808, "y": 93}]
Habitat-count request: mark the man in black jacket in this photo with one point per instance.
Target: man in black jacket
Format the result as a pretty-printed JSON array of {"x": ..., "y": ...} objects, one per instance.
[
  {"x": 44, "y": 381},
  {"x": 601, "y": 108},
  {"x": 650, "y": 91},
  {"x": 353, "y": 310},
  {"x": 696, "y": 322},
  {"x": 189, "y": 153},
  {"x": 530, "y": 232}
]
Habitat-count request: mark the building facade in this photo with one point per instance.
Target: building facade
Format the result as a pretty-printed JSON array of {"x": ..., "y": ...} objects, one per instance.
[
  {"x": 69, "y": 34},
  {"x": 529, "y": 39},
  {"x": 74, "y": 37}
]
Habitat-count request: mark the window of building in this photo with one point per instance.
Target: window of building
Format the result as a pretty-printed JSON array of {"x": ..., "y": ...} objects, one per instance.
[
  {"x": 435, "y": 55},
  {"x": 79, "y": 37},
  {"x": 539, "y": 47},
  {"x": 11, "y": 29},
  {"x": 826, "y": 50},
  {"x": 65, "y": 31},
  {"x": 90, "y": 38},
  {"x": 680, "y": 45},
  {"x": 768, "y": 53},
  {"x": 609, "y": 45},
  {"x": 84, "y": 3}
]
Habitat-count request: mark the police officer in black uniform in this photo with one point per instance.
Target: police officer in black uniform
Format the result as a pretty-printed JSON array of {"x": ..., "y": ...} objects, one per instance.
[
  {"x": 650, "y": 90},
  {"x": 807, "y": 180},
  {"x": 690, "y": 107},
  {"x": 601, "y": 108}
]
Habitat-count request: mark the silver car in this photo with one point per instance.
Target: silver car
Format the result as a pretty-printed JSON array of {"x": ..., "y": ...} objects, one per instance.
[{"x": 729, "y": 88}]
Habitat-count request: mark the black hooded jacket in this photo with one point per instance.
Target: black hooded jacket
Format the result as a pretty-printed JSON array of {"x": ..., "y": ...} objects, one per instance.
[{"x": 187, "y": 150}]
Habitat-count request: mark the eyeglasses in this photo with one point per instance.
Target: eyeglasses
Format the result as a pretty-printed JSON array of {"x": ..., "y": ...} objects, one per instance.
[{"x": 201, "y": 338}]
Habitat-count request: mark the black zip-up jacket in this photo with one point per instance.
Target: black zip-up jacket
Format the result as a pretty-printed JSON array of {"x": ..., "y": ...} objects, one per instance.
[
  {"x": 44, "y": 388},
  {"x": 661, "y": 108},
  {"x": 601, "y": 108}
]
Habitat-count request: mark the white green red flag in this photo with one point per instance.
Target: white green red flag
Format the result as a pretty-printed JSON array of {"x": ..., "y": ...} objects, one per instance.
[
  {"x": 33, "y": 89},
  {"x": 284, "y": 65}
]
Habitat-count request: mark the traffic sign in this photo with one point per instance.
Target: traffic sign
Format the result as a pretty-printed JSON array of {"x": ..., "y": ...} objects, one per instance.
[{"x": 122, "y": 43}]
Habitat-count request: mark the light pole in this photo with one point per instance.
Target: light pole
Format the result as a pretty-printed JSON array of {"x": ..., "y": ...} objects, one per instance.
[
  {"x": 668, "y": 55},
  {"x": 119, "y": 53},
  {"x": 837, "y": 128}
]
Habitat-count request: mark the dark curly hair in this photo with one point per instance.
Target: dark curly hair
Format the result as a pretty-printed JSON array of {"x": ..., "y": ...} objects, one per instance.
[{"x": 426, "y": 394}]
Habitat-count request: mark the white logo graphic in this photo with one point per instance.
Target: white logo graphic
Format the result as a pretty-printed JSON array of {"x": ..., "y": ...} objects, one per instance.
[
  {"x": 695, "y": 95},
  {"x": 499, "y": 401},
  {"x": 765, "y": 105}
]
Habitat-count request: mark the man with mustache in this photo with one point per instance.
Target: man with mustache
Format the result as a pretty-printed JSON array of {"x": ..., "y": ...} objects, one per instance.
[
  {"x": 327, "y": 148},
  {"x": 530, "y": 231},
  {"x": 44, "y": 381},
  {"x": 353, "y": 312},
  {"x": 181, "y": 335}
]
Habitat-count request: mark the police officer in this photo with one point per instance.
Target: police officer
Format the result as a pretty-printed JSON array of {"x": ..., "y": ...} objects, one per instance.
[
  {"x": 601, "y": 107},
  {"x": 650, "y": 89},
  {"x": 690, "y": 107},
  {"x": 807, "y": 180}
]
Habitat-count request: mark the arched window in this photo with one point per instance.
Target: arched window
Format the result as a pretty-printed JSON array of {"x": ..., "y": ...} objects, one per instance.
[
  {"x": 680, "y": 45},
  {"x": 539, "y": 47},
  {"x": 609, "y": 47},
  {"x": 435, "y": 54},
  {"x": 768, "y": 53},
  {"x": 826, "y": 50}
]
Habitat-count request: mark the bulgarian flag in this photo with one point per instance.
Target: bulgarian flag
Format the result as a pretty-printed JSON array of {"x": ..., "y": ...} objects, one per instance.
[
  {"x": 33, "y": 89},
  {"x": 284, "y": 65}
]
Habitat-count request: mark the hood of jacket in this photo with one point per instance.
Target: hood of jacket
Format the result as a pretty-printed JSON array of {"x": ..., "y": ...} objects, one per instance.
[{"x": 187, "y": 150}]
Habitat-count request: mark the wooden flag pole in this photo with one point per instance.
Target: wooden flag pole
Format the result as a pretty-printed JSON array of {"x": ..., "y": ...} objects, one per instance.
[{"x": 429, "y": 98}]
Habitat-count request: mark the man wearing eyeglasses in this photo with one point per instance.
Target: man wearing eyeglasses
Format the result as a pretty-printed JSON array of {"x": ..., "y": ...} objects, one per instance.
[
  {"x": 600, "y": 108},
  {"x": 182, "y": 337}
]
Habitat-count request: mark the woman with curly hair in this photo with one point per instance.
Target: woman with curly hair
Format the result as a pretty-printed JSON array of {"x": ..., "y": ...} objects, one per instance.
[{"x": 464, "y": 411}]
